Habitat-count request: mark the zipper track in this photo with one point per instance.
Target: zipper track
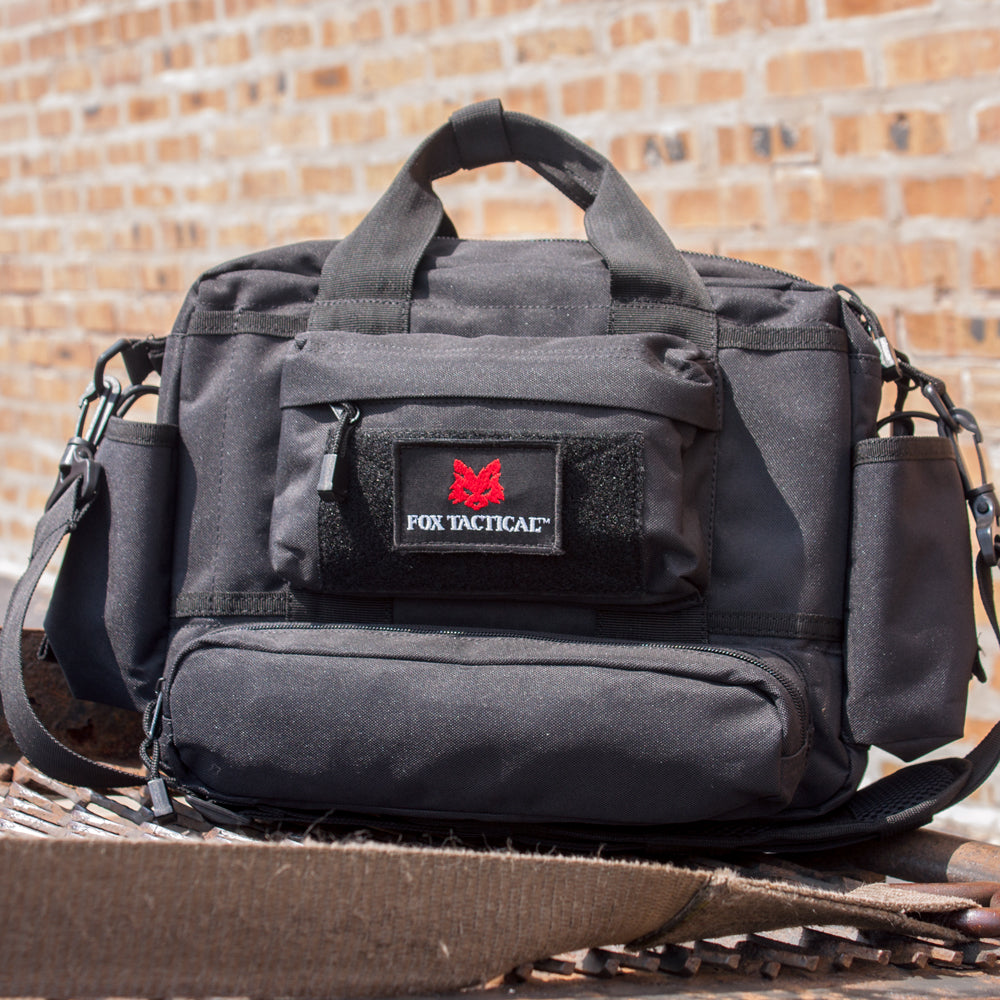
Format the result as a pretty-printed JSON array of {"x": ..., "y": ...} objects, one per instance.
[{"x": 797, "y": 700}]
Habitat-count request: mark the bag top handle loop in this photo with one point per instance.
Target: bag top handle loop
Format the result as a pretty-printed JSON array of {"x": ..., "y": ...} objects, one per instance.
[
  {"x": 480, "y": 135},
  {"x": 367, "y": 280}
]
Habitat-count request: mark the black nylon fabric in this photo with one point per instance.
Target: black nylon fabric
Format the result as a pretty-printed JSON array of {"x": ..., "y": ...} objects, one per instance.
[
  {"x": 433, "y": 724},
  {"x": 580, "y": 732}
]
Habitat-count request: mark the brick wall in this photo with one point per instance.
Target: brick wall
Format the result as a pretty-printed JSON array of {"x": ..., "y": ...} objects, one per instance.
[{"x": 140, "y": 142}]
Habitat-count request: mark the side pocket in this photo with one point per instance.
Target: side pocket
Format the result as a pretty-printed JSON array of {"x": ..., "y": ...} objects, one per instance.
[
  {"x": 108, "y": 617},
  {"x": 911, "y": 635}
]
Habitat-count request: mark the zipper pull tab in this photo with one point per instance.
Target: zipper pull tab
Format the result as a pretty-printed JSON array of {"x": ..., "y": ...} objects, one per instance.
[
  {"x": 886, "y": 352},
  {"x": 159, "y": 795},
  {"x": 334, "y": 470}
]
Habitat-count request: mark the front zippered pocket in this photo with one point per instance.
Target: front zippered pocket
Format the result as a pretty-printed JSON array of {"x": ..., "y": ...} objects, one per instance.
[
  {"x": 493, "y": 726},
  {"x": 433, "y": 465}
]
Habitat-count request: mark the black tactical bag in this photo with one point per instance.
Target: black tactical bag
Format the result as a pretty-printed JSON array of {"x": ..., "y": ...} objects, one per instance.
[{"x": 575, "y": 541}]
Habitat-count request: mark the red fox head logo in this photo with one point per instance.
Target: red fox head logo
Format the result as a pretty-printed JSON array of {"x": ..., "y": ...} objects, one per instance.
[{"x": 477, "y": 490}]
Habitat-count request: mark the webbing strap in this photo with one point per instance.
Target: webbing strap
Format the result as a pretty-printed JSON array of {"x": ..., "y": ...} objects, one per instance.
[{"x": 30, "y": 733}]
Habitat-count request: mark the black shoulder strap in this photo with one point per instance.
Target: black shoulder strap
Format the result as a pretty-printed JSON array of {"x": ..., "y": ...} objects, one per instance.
[{"x": 35, "y": 741}]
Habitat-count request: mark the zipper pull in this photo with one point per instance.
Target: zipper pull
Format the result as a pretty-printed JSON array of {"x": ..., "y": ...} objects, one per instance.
[
  {"x": 159, "y": 795},
  {"x": 335, "y": 469},
  {"x": 886, "y": 352}
]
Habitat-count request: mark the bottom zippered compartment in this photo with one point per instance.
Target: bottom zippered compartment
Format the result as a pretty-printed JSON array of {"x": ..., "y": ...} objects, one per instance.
[{"x": 483, "y": 726}]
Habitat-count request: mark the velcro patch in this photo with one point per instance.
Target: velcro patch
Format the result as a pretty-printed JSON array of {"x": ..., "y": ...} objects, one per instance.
[{"x": 461, "y": 495}]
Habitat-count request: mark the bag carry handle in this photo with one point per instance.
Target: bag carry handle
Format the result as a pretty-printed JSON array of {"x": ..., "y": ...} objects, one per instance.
[{"x": 367, "y": 280}]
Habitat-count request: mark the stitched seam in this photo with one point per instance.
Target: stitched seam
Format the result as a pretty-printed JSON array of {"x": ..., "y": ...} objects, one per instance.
[{"x": 222, "y": 455}]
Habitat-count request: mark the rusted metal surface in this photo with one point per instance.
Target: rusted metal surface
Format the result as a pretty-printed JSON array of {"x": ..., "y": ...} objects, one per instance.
[{"x": 921, "y": 856}]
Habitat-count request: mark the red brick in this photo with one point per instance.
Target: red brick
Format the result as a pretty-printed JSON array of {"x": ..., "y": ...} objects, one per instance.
[
  {"x": 10, "y": 53},
  {"x": 634, "y": 29},
  {"x": 146, "y": 109},
  {"x": 946, "y": 197},
  {"x": 132, "y": 237},
  {"x": 295, "y": 130},
  {"x": 531, "y": 100},
  {"x": 105, "y": 198},
  {"x": 714, "y": 206},
  {"x": 20, "y": 278},
  {"x": 465, "y": 58},
  {"x": 119, "y": 68},
  {"x": 869, "y": 8},
  {"x": 500, "y": 8},
  {"x": 227, "y": 51},
  {"x": 280, "y": 37},
  {"x": 326, "y": 82},
  {"x": 150, "y": 317},
  {"x": 540, "y": 46},
  {"x": 111, "y": 277},
  {"x": 184, "y": 13},
  {"x": 98, "y": 316},
  {"x": 986, "y": 268},
  {"x": 420, "y": 119},
  {"x": 718, "y": 85},
  {"x": 152, "y": 196},
  {"x": 756, "y": 15},
  {"x": 43, "y": 241},
  {"x": 209, "y": 193},
  {"x": 72, "y": 79},
  {"x": 238, "y": 140},
  {"x": 355, "y": 127},
  {"x": 135, "y": 25},
  {"x": 60, "y": 199},
  {"x": 988, "y": 124},
  {"x": 50, "y": 45},
  {"x": 202, "y": 100},
  {"x": 743, "y": 144},
  {"x": 930, "y": 264},
  {"x": 241, "y": 234},
  {"x": 161, "y": 278},
  {"x": 265, "y": 90},
  {"x": 831, "y": 201},
  {"x": 638, "y": 151},
  {"x": 173, "y": 57},
  {"x": 178, "y": 148},
  {"x": 189, "y": 235},
  {"x": 102, "y": 32},
  {"x": 366, "y": 27},
  {"x": 918, "y": 133},
  {"x": 800, "y": 72},
  {"x": 43, "y": 165},
  {"x": 516, "y": 216},
  {"x": 427, "y": 15},
  {"x": 18, "y": 203},
  {"x": 380, "y": 74},
  {"x": 14, "y": 128},
  {"x": 97, "y": 117},
  {"x": 77, "y": 159},
  {"x": 583, "y": 96},
  {"x": 943, "y": 55},
  {"x": 57, "y": 122},
  {"x": 271, "y": 183},
  {"x": 127, "y": 152},
  {"x": 628, "y": 91}
]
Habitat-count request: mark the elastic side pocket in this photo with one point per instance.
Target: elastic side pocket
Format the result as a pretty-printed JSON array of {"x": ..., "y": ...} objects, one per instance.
[
  {"x": 911, "y": 636},
  {"x": 108, "y": 617}
]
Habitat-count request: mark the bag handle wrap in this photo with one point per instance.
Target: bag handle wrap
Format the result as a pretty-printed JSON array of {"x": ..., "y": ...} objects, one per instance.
[{"x": 367, "y": 280}]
